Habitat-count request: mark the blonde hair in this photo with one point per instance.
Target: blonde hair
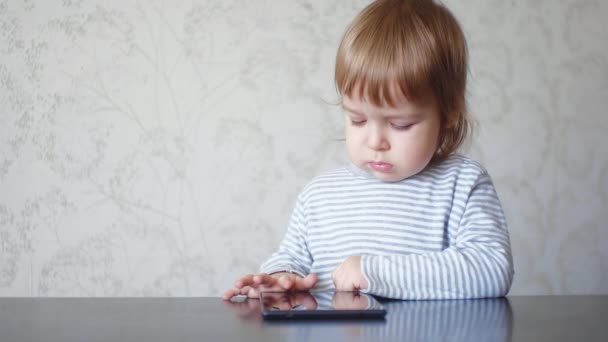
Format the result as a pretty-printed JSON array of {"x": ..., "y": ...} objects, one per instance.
[{"x": 420, "y": 45}]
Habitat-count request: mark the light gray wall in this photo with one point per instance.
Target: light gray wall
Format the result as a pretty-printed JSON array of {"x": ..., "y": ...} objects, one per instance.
[{"x": 156, "y": 147}]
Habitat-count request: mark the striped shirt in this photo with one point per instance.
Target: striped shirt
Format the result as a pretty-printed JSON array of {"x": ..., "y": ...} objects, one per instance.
[{"x": 440, "y": 234}]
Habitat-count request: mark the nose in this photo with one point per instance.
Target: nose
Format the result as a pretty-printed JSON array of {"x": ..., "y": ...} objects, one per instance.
[{"x": 376, "y": 138}]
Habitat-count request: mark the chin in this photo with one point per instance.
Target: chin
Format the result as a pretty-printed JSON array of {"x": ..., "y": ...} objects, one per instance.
[
  {"x": 389, "y": 177},
  {"x": 397, "y": 175}
]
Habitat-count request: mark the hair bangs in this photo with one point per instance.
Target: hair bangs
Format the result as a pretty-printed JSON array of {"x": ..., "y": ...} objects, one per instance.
[{"x": 378, "y": 61}]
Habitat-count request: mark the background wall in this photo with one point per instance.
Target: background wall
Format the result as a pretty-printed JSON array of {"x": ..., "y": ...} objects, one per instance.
[{"x": 152, "y": 148}]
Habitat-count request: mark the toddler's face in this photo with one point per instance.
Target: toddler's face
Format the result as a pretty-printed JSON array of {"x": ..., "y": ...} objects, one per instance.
[{"x": 391, "y": 142}]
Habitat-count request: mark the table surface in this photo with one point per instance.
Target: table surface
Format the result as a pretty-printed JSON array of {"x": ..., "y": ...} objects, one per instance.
[{"x": 517, "y": 318}]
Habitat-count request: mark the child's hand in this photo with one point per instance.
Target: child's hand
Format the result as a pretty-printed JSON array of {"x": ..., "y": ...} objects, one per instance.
[
  {"x": 251, "y": 285},
  {"x": 348, "y": 276}
]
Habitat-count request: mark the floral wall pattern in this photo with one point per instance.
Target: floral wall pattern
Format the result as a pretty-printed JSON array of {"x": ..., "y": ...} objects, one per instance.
[{"x": 155, "y": 148}]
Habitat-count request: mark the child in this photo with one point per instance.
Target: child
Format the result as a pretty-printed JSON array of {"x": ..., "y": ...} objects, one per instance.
[{"x": 408, "y": 218}]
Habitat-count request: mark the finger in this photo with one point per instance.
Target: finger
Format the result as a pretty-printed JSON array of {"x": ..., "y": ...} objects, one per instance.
[
  {"x": 347, "y": 286},
  {"x": 231, "y": 293},
  {"x": 339, "y": 284},
  {"x": 228, "y": 294},
  {"x": 338, "y": 280},
  {"x": 306, "y": 283},
  {"x": 244, "y": 281},
  {"x": 253, "y": 293},
  {"x": 343, "y": 285},
  {"x": 246, "y": 291},
  {"x": 285, "y": 283},
  {"x": 264, "y": 279}
]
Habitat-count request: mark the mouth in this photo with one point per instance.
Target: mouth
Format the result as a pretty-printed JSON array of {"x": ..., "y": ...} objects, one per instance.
[{"x": 381, "y": 166}]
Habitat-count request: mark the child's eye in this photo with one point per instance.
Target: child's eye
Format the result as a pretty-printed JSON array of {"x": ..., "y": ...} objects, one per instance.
[
  {"x": 402, "y": 127},
  {"x": 357, "y": 122}
]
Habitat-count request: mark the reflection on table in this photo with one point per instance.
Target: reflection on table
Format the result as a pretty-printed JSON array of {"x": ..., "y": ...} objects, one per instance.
[{"x": 451, "y": 320}]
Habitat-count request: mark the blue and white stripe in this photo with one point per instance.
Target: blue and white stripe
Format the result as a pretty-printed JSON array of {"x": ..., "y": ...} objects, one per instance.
[{"x": 440, "y": 234}]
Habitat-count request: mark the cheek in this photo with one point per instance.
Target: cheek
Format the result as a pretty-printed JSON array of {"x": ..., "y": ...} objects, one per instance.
[
  {"x": 427, "y": 151},
  {"x": 354, "y": 142},
  {"x": 420, "y": 144},
  {"x": 353, "y": 136},
  {"x": 431, "y": 133}
]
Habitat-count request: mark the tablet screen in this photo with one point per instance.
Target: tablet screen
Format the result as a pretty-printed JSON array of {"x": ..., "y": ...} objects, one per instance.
[{"x": 333, "y": 304}]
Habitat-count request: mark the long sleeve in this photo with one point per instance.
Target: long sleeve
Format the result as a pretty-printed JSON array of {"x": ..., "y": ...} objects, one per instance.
[
  {"x": 292, "y": 254},
  {"x": 477, "y": 263}
]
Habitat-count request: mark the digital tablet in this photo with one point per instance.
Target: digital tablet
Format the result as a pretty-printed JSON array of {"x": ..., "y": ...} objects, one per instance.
[{"x": 320, "y": 305}]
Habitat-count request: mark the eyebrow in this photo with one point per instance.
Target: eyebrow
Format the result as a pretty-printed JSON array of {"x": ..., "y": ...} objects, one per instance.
[
  {"x": 389, "y": 116},
  {"x": 351, "y": 110}
]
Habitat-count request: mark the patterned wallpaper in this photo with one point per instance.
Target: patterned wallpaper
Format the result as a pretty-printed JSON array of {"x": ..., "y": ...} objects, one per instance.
[{"x": 155, "y": 148}]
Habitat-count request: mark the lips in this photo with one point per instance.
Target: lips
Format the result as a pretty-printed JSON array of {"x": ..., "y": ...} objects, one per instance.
[{"x": 381, "y": 166}]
